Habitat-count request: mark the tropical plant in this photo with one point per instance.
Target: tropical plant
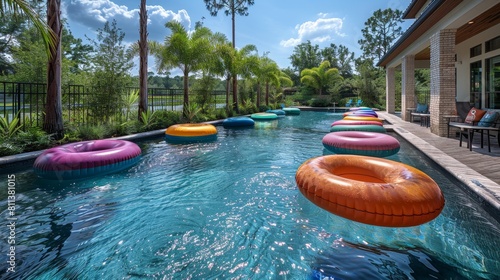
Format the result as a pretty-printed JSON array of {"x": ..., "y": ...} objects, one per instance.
[
  {"x": 148, "y": 120},
  {"x": 130, "y": 100},
  {"x": 185, "y": 50},
  {"x": 320, "y": 77},
  {"x": 191, "y": 112},
  {"x": 9, "y": 128}
]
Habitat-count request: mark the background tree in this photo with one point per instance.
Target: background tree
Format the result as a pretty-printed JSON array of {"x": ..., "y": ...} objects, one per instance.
[
  {"x": 339, "y": 57},
  {"x": 111, "y": 65},
  {"x": 305, "y": 56},
  {"x": 185, "y": 50},
  {"x": 320, "y": 77},
  {"x": 380, "y": 31},
  {"x": 232, "y": 7}
]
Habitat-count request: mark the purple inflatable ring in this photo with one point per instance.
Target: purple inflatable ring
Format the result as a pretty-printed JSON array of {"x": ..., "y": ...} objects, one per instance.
[{"x": 85, "y": 159}]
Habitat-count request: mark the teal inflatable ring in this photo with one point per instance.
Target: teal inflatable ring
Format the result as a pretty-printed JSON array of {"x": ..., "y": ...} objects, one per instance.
[
  {"x": 292, "y": 111},
  {"x": 264, "y": 116},
  {"x": 368, "y": 128}
]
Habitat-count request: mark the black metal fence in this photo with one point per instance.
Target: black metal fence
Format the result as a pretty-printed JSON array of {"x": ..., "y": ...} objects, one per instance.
[{"x": 80, "y": 105}]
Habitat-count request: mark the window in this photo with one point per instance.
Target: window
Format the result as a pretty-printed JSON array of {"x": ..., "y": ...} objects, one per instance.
[
  {"x": 475, "y": 51},
  {"x": 475, "y": 84},
  {"x": 493, "y": 44}
]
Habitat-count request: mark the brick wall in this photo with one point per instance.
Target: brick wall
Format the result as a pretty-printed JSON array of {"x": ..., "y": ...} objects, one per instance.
[
  {"x": 390, "y": 89},
  {"x": 443, "y": 84},
  {"x": 407, "y": 85}
]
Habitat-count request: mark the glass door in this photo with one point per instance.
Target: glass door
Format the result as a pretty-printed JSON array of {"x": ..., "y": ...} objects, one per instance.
[{"x": 493, "y": 82}]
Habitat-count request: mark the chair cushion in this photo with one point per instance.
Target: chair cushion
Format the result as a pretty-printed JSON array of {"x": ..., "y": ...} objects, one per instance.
[
  {"x": 422, "y": 108},
  {"x": 488, "y": 119},
  {"x": 474, "y": 115}
]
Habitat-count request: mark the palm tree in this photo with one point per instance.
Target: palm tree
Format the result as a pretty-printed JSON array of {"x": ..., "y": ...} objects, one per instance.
[
  {"x": 319, "y": 77},
  {"x": 186, "y": 51},
  {"x": 51, "y": 34},
  {"x": 268, "y": 72}
]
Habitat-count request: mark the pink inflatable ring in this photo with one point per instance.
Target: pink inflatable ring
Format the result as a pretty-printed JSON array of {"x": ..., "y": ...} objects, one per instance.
[
  {"x": 85, "y": 159},
  {"x": 361, "y": 143}
]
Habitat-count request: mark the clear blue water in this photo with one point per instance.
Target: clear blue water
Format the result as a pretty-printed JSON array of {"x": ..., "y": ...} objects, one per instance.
[{"x": 231, "y": 210}]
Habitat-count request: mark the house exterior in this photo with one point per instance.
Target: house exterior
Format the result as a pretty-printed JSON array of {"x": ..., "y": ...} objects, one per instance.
[{"x": 459, "y": 41}]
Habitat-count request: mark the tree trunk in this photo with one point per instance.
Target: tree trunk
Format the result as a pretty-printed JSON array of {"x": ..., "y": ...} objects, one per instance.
[
  {"x": 185, "y": 106},
  {"x": 258, "y": 94},
  {"x": 267, "y": 93},
  {"x": 143, "y": 67},
  {"x": 235, "y": 76},
  {"x": 53, "y": 121},
  {"x": 228, "y": 84}
]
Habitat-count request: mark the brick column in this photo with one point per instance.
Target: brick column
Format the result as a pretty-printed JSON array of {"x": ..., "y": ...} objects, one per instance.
[
  {"x": 390, "y": 90},
  {"x": 407, "y": 86},
  {"x": 443, "y": 83}
]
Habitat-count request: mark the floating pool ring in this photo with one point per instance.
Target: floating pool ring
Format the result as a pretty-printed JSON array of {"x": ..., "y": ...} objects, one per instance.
[
  {"x": 359, "y": 118},
  {"x": 361, "y": 143},
  {"x": 360, "y": 108},
  {"x": 277, "y": 112},
  {"x": 362, "y": 127},
  {"x": 85, "y": 159},
  {"x": 292, "y": 111},
  {"x": 190, "y": 133},
  {"x": 370, "y": 190},
  {"x": 363, "y": 113},
  {"x": 235, "y": 122},
  {"x": 264, "y": 116},
  {"x": 348, "y": 122}
]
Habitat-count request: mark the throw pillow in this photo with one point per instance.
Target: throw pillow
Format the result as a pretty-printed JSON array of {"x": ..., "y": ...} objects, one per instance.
[
  {"x": 488, "y": 119},
  {"x": 422, "y": 108},
  {"x": 474, "y": 115}
]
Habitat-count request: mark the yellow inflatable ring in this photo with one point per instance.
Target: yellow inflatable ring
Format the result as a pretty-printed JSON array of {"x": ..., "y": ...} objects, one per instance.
[
  {"x": 191, "y": 132},
  {"x": 370, "y": 190},
  {"x": 360, "y": 118}
]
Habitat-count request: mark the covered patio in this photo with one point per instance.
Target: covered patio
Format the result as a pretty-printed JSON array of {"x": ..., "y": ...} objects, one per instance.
[{"x": 459, "y": 41}]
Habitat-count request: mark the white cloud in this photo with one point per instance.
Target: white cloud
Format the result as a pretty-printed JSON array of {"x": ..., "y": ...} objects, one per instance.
[
  {"x": 321, "y": 30},
  {"x": 94, "y": 13}
]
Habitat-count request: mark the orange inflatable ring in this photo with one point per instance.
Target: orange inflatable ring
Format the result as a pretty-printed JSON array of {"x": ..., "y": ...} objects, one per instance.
[
  {"x": 191, "y": 132},
  {"x": 360, "y": 118},
  {"x": 370, "y": 190}
]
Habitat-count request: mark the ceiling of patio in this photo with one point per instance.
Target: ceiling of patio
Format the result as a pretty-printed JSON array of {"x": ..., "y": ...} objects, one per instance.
[{"x": 484, "y": 21}]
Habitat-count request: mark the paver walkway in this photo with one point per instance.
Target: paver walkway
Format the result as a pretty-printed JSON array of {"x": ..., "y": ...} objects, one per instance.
[{"x": 478, "y": 169}]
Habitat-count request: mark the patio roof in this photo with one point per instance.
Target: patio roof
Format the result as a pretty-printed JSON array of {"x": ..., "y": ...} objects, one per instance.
[{"x": 433, "y": 13}]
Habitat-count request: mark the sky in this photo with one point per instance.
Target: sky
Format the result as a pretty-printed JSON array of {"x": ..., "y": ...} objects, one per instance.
[{"x": 275, "y": 27}]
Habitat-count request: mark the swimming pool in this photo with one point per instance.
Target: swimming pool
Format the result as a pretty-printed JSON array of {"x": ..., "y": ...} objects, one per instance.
[{"x": 230, "y": 209}]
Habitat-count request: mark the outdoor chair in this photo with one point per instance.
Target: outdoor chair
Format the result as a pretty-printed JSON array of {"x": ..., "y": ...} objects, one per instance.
[
  {"x": 348, "y": 103},
  {"x": 358, "y": 104},
  {"x": 422, "y": 112}
]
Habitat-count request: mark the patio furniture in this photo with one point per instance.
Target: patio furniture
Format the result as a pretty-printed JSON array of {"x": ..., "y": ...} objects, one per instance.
[
  {"x": 488, "y": 122},
  {"x": 422, "y": 112},
  {"x": 358, "y": 104},
  {"x": 348, "y": 103}
]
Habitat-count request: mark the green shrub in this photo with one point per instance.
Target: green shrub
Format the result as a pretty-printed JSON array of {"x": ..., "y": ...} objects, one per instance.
[{"x": 320, "y": 101}]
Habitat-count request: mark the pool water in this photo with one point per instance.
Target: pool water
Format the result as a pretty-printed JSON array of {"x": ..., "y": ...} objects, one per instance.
[{"x": 231, "y": 209}]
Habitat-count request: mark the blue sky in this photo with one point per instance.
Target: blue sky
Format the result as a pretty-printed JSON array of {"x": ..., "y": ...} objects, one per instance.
[{"x": 273, "y": 26}]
